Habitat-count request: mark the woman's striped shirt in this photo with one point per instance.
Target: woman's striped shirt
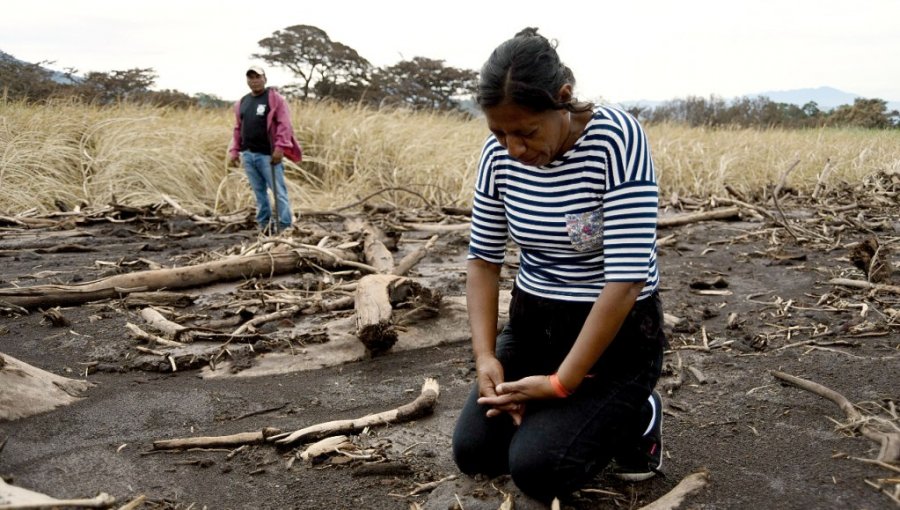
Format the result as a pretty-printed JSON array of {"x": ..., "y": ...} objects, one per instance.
[{"x": 585, "y": 219}]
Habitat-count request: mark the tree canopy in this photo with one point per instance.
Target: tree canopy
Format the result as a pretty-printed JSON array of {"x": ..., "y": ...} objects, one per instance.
[
  {"x": 762, "y": 112},
  {"x": 331, "y": 69}
]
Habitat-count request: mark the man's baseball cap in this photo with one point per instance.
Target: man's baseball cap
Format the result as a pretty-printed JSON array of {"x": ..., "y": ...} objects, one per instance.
[{"x": 256, "y": 69}]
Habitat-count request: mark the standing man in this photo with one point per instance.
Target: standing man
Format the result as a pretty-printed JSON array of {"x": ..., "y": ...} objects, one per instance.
[{"x": 263, "y": 136}]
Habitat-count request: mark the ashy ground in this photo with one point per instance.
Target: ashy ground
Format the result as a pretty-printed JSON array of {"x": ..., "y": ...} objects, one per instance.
[{"x": 749, "y": 299}]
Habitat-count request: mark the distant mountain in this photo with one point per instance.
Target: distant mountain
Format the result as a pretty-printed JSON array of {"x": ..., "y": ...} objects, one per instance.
[{"x": 826, "y": 97}]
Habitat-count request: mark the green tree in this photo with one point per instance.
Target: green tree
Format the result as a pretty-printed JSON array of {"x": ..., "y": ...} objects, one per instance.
[
  {"x": 864, "y": 113},
  {"x": 424, "y": 83},
  {"x": 106, "y": 87},
  {"x": 24, "y": 80},
  {"x": 312, "y": 56}
]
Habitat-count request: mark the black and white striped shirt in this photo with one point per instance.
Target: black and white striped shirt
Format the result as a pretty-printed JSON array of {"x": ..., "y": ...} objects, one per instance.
[{"x": 585, "y": 219}]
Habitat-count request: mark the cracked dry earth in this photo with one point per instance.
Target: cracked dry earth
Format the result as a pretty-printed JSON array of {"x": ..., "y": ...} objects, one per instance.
[{"x": 747, "y": 302}]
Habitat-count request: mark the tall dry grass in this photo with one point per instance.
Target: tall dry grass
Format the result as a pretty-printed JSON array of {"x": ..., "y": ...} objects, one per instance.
[{"x": 77, "y": 153}]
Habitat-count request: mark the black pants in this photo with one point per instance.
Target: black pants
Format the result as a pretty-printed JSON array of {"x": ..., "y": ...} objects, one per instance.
[{"x": 562, "y": 443}]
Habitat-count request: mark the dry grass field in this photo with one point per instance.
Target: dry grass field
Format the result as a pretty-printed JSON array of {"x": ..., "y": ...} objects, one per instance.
[{"x": 74, "y": 153}]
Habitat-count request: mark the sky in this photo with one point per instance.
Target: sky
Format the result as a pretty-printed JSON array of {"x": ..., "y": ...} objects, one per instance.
[{"x": 626, "y": 50}]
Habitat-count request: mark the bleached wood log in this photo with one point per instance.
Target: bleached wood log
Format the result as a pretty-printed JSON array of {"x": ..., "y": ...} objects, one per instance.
[
  {"x": 674, "y": 498},
  {"x": 374, "y": 324},
  {"x": 28, "y": 390},
  {"x": 17, "y": 498},
  {"x": 421, "y": 406},
  {"x": 323, "y": 446},
  {"x": 375, "y": 251},
  {"x": 375, "y": 298},
  {"x": 156, "y": 319},
  {"x": 258, "y": 436},
  {"x": 231, "y": 268}
]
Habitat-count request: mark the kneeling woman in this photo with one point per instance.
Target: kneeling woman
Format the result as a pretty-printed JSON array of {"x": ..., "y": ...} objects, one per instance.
[{"x": 568, "y": 385}]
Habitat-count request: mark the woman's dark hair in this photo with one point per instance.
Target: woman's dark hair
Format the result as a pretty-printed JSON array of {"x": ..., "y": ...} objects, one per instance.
[{"x": 526, "y": 71}]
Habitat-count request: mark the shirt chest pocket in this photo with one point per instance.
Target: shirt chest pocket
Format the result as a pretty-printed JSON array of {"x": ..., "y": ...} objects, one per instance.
[{"x": 585, "y": 230}]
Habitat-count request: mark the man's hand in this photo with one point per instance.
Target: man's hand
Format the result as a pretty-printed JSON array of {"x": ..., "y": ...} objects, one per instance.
[
  {"x": 233, "y": 160},
  {"x": 277, "y": 156}
]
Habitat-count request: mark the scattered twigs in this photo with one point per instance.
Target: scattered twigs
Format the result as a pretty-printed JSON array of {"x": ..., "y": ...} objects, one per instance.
[
  {"x": 262, "y": 411},
  {"x": 861, "y": 284},
  {"x": 274, "y": 316},
  {"x": 775, "y": 193},
  {"x": 425, "y": 487},
  {"x": 242, "y": 438},
  {"x": 142, "y": 335},
  {"x": 737, "y": 200},
  {"x": 421, "y": 406},
  {"x": 889, "y": 441},
  {"x": 674, "y": 498},
  {"x": 823, "y": 176}
]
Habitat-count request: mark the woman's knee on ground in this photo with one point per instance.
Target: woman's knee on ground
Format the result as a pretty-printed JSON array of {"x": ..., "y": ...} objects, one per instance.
[{"x": 536, "y": 473}]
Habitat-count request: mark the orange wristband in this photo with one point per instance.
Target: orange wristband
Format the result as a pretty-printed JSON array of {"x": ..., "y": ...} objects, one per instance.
[{"x": 561, "y": 391}]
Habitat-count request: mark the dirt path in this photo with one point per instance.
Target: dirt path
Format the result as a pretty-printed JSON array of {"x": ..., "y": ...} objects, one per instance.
[{"x": 752, "y": 306}]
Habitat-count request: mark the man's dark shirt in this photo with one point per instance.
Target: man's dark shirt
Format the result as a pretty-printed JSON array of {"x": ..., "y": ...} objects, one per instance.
[{"x": 254, "y": 111}]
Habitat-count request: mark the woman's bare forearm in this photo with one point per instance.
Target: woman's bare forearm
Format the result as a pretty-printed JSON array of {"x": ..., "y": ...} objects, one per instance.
[
  {"x": 482, "y": 297},
  {"x": 600, "y": 328}
]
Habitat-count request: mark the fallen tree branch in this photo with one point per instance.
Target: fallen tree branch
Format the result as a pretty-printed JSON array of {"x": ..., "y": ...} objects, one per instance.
[
  {"x": 684, "y": 219},
  {"x": 241, "y": 438},
  {"x": 232, "y": 268},
  {"x": 17, "y": 498},
  {"x": 181, "y": 210},
  {"x": 413, "y": 258},
  {"x": 674, "y": 498},
  {"x": 421, "y": 406},
  {"x": 134, "y": 504},
  {"x": 889, "y": 441}
]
